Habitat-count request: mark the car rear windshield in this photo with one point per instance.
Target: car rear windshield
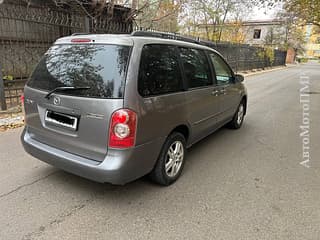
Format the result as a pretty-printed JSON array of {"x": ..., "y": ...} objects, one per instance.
[{"x": 100, "y": 68}]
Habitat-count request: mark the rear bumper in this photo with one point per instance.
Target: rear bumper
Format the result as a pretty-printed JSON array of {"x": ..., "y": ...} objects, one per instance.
[{"x": 119, "y": 166}]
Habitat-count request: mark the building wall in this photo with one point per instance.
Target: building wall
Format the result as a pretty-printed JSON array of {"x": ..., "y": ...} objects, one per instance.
[
  {"x": 312, "y": 38},
  {"x": 291, "y": 55},
  {"x": 271, "y": 33}
]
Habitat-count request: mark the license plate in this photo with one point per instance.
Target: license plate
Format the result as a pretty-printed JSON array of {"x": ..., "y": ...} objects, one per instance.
[{"x": 61, "y": 120}]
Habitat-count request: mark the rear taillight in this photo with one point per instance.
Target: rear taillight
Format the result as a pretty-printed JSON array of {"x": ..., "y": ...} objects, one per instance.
[
  {"x": 122, "y": 132},
  {"x": 22, "y": 99},
  {"x": 22, "y": 106}
]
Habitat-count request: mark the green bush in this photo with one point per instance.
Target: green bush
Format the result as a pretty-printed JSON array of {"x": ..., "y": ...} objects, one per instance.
[{"x": 302, "y": 60}]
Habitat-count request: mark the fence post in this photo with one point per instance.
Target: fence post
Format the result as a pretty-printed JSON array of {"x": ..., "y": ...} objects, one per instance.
[
  {"x": 2, "y": 93},
  {"x": 86, "y": 24}
]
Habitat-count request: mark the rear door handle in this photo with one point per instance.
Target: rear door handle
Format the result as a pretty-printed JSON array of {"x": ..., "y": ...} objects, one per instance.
[
  {"x": 219, "y": 92},
  {"x": 215, "y": 93},
  {"x": 223, "y": 91}
]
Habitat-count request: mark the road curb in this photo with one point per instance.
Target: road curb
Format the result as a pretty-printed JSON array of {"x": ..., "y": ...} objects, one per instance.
[{"x": 260, "y": 71}]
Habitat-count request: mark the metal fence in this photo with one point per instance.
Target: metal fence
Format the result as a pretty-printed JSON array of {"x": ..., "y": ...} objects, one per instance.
[
  {"x": 242, "y": 57},
  {"x": 27, "y": 31}
]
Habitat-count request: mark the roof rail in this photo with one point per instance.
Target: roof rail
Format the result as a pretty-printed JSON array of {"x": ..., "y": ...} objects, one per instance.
[{"x": 164, "y": 35}]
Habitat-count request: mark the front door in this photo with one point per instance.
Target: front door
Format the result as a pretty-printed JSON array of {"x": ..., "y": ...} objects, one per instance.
[
  {"x": 201, "y": 99},
  {"x": 229, "y": 94}
]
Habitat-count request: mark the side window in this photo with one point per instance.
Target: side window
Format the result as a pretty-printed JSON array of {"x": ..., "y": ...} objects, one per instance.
[
  {"x": 196, "y": 67},
  {"x": 222, "y": 70},
  {"x": 159, "y": 70}
]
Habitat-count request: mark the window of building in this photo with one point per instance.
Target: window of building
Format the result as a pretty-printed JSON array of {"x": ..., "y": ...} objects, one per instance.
[{"x": 256, "y": 33}]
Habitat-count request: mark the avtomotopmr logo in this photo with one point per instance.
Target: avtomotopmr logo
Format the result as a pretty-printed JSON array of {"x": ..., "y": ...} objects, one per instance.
[{"x": 305, "y": 124}]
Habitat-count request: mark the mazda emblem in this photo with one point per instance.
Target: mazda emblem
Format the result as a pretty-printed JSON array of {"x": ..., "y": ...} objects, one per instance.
[{"x": 56, "y": 101}]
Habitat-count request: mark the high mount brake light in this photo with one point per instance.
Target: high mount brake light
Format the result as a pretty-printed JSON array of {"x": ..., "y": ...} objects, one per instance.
[{"x": 80, "y": 40}]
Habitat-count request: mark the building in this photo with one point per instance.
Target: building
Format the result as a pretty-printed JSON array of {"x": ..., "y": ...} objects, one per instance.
[
  {"x": 312, "y": 41},
  {"x": 262, "y": 33},
  {"x": 258, "y": 33},
  {"x": 267, "y": 33}
]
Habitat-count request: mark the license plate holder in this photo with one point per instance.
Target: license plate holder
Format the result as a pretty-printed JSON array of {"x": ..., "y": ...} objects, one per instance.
[{"x": 61, "y": 120}]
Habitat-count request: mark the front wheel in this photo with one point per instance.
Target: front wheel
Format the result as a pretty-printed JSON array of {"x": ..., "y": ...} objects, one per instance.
[
  {"x": 238, "y": 117},
  {"x": 171, "y": 160}
]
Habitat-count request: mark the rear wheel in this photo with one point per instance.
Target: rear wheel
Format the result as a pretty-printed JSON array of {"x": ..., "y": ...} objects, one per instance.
[
  {"x": 238, "y": 117},
  {"x": 171, "y": 160}
]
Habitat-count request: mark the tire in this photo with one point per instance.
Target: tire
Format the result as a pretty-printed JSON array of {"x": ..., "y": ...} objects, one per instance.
[
  {"x": 238, "y": 117},
  {"x": 175, "y": 145}
]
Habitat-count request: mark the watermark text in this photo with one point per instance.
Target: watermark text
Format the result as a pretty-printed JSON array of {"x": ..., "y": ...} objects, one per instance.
[{"x": 305, "y": 123}]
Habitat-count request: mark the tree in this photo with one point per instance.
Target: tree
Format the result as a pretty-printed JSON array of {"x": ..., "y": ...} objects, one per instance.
[
  {"x": 214, "y": 17},
  {"x": 307, "y": 11},
  {"x": 294, "y": 35},
  {"x": 161, "y": 15},
  {"x": 211, "y": 14}
]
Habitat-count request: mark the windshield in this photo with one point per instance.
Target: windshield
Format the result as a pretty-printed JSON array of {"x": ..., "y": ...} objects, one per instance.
[{"x": 100, "y": 68}]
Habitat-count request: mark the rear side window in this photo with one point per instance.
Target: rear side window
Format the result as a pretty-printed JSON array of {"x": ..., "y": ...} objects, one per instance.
[
  {"x": 159, "y": 70},
  {"x": 196, "y": 67},
  {"x": 102, "y": 68}
]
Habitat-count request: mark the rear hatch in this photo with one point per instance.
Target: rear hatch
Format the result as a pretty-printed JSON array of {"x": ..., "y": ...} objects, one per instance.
[{"x": 72, "y": 94}]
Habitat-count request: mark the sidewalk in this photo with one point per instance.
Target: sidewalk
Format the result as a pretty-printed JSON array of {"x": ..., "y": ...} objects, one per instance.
[
  {"x": 10, "y": 119},
  {"x": 269, "y": 69}
]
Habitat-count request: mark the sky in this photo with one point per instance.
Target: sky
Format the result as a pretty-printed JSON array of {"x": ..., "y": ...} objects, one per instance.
[{"x": 264, "y": 13}]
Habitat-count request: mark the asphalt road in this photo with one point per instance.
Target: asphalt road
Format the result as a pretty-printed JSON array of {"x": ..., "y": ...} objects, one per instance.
[{"x": 244, "y": 184}]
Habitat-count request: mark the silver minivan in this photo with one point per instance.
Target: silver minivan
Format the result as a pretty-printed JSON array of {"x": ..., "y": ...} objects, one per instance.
[{"x": 113, "y": 108}]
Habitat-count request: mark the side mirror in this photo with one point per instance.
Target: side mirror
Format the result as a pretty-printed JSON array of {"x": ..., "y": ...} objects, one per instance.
[{"x": 239, "y": 78}]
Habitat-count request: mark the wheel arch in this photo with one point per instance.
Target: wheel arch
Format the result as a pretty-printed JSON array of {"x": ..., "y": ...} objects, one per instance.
[
  {"x": 183, "y": 129},
  {"x": 245, "y": 100}
]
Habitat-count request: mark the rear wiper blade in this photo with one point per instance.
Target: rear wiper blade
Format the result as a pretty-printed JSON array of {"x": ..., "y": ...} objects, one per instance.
[{"x": 64, "y": 89}]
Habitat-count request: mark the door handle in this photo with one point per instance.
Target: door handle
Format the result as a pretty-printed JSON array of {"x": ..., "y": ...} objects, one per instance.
[
  {"x": 219, "y": 92},
  {"x": 223, "y": 91},
  {"x": 215, "y": 93}
]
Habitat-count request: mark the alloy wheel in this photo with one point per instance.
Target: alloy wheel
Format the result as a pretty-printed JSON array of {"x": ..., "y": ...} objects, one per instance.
[{"x": 174, "y": 159}]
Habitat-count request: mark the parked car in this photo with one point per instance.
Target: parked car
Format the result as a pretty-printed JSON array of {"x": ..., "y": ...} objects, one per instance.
[{"x": 113, "y": 108}]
